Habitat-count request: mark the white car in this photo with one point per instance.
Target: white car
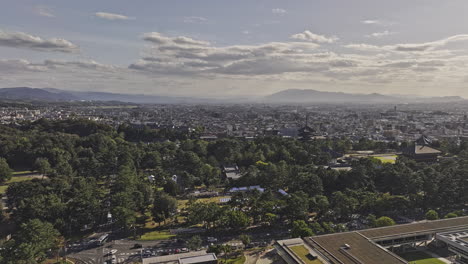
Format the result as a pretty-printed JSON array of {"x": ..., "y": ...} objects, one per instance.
[{"x": 212, "y": 239}]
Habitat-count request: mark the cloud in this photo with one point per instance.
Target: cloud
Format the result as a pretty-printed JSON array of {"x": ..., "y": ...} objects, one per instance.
[
  {"x": 309, "y": 36},
  {"x": 111, "y": 16},
  {"x": 380, "y": 34},
  {"x": 279, "y": 11},
  {"x": 26, "y": 41},
  {"x": 410, "y": 47},
  {"x": 184, "y": 55},
  {"x": 159, "y": 39},
  {"x": 195, "y": 20},
  {"x": 430, "y": 45},
  {"x": 19, "y": 65},
  {"x": 371, "y": 22},
  {"x": 184, "y": 65},
  {"x": 43, "y": 11},
  {"x": 88, "y": 64}
]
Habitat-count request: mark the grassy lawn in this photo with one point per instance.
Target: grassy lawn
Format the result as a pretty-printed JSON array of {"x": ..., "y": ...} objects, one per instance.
[
  {"x": 156, "y": 235},
  {"x": 183, "y": 203},
  {"x": 419, "y": 257},
  {"x": 22, "y": 172},
  {"x": 13, "y": 179},
  {"x": 302, "y": 252},
  {"x": 387, "y": 159},
  {"x": 238, "y": 260},
  {"x": 3, "y": 189}
]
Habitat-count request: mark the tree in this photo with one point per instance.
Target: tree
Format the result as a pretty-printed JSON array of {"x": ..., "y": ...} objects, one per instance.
[
  {"x": 297, "y": 206},
  {"x": 5, "y": 171},
  {"x": 343, "y": 205},
  {"x": 236, "y": 219},
  {"x": 31, "y": 243},
  {"x": 372, "y": 220},
  {"x": 450, "y": 215},
  {"x": 124, "y": 217},
  {"x": 217, "y": 249},
  {"x": 320, "y": 204},
  {"x": 42, "y": 165},
  {"x": 301, "y": 229},
  {"x": 194, "y": 243},
  {"x": 246, "y": 239},
  {"x": 384, "y": 221},
  {"x": 270, "y": 218},
  {"x": 165, "y": 206},
  {"x": 432, "y": 215},
  {"x": 317, "y": 228},
  {"x": 226, "y": 249}
]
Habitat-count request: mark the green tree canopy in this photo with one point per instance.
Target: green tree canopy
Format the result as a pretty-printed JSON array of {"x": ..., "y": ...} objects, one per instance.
[
  {"x": 301, "y": 229},
  {"x": 31, "y": 243},
  {"x": 384, "y": 221},
  {"x": 5, "y": 171},
  {"x": 432, "y": 215}
]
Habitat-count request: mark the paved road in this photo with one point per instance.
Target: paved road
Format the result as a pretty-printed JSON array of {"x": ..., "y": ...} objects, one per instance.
[
  {"x": 123, "y": 248},
  {"x": 125, "y": 253}
]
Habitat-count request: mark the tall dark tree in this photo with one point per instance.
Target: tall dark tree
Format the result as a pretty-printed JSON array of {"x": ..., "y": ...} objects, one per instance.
[{"x": 5, "y": 172}]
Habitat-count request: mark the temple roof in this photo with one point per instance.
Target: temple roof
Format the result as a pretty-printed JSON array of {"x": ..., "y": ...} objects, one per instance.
[{"x": 423, "y": 141}]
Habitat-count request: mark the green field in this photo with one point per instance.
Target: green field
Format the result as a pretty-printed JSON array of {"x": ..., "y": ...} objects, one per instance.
[
  {"x": 419, "y": 257},
  {"x": 238, "y": 260},
  {"x": 156, "y": 235},
  {"x": 13, "y": 179},
  {"x": 387, "y": 159},
  {"x": 302, "y": 252},
  {"x": 182, "y": 204}
]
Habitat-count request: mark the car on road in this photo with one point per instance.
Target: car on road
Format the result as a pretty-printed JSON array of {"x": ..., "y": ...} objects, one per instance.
[
  {"x": 137, "y": 246},
  {"x": 211, "y": 239}
]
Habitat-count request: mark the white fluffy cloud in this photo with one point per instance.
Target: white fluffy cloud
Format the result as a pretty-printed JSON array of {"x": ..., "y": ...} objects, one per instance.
[
  {"x": 380, "y": 34},
  {"x": 187, "y": 66},
  {"x": 371, "y": 22},
  {"x": 26, "y": 41},
  {"x": 183, "y": 55},
  {"x": 309, "y": 36},
  {"x": 112, "y": 16},
  {"x": 409, "y": 47}
]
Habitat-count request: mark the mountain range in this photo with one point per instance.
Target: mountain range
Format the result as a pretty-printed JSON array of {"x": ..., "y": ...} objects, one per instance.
[
  {"x": 314, "y": 96},
  {"x": 290, "y": 96},
  {"x": 57, "y": 95}
]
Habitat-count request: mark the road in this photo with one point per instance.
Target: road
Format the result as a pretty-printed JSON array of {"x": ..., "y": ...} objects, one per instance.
[{"x": 124, "y": 251}]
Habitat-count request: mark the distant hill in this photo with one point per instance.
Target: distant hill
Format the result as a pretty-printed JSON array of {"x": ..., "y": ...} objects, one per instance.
[
  {"x": 314, "y": 96},
  {"x": 33, "y": 94},
  {"x": 286, "y": 96},
  {"x": 55, "y": 95}
]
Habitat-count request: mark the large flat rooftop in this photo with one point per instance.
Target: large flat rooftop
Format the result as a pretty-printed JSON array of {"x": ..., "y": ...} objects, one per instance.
[
  {"x": 360, "y": 250},
  {"x": 361, "y": 247},
  {"x": 436, "y": 226}
]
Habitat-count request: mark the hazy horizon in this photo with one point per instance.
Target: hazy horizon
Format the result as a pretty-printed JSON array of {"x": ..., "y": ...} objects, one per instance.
[{"x": 212, "y": 48}]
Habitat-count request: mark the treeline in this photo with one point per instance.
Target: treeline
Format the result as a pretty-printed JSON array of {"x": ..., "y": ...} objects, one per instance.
[{"x": 92, "y": 169}]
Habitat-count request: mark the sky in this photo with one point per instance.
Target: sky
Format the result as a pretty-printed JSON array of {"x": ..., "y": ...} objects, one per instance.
[{"x": 226, "y": 48}]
